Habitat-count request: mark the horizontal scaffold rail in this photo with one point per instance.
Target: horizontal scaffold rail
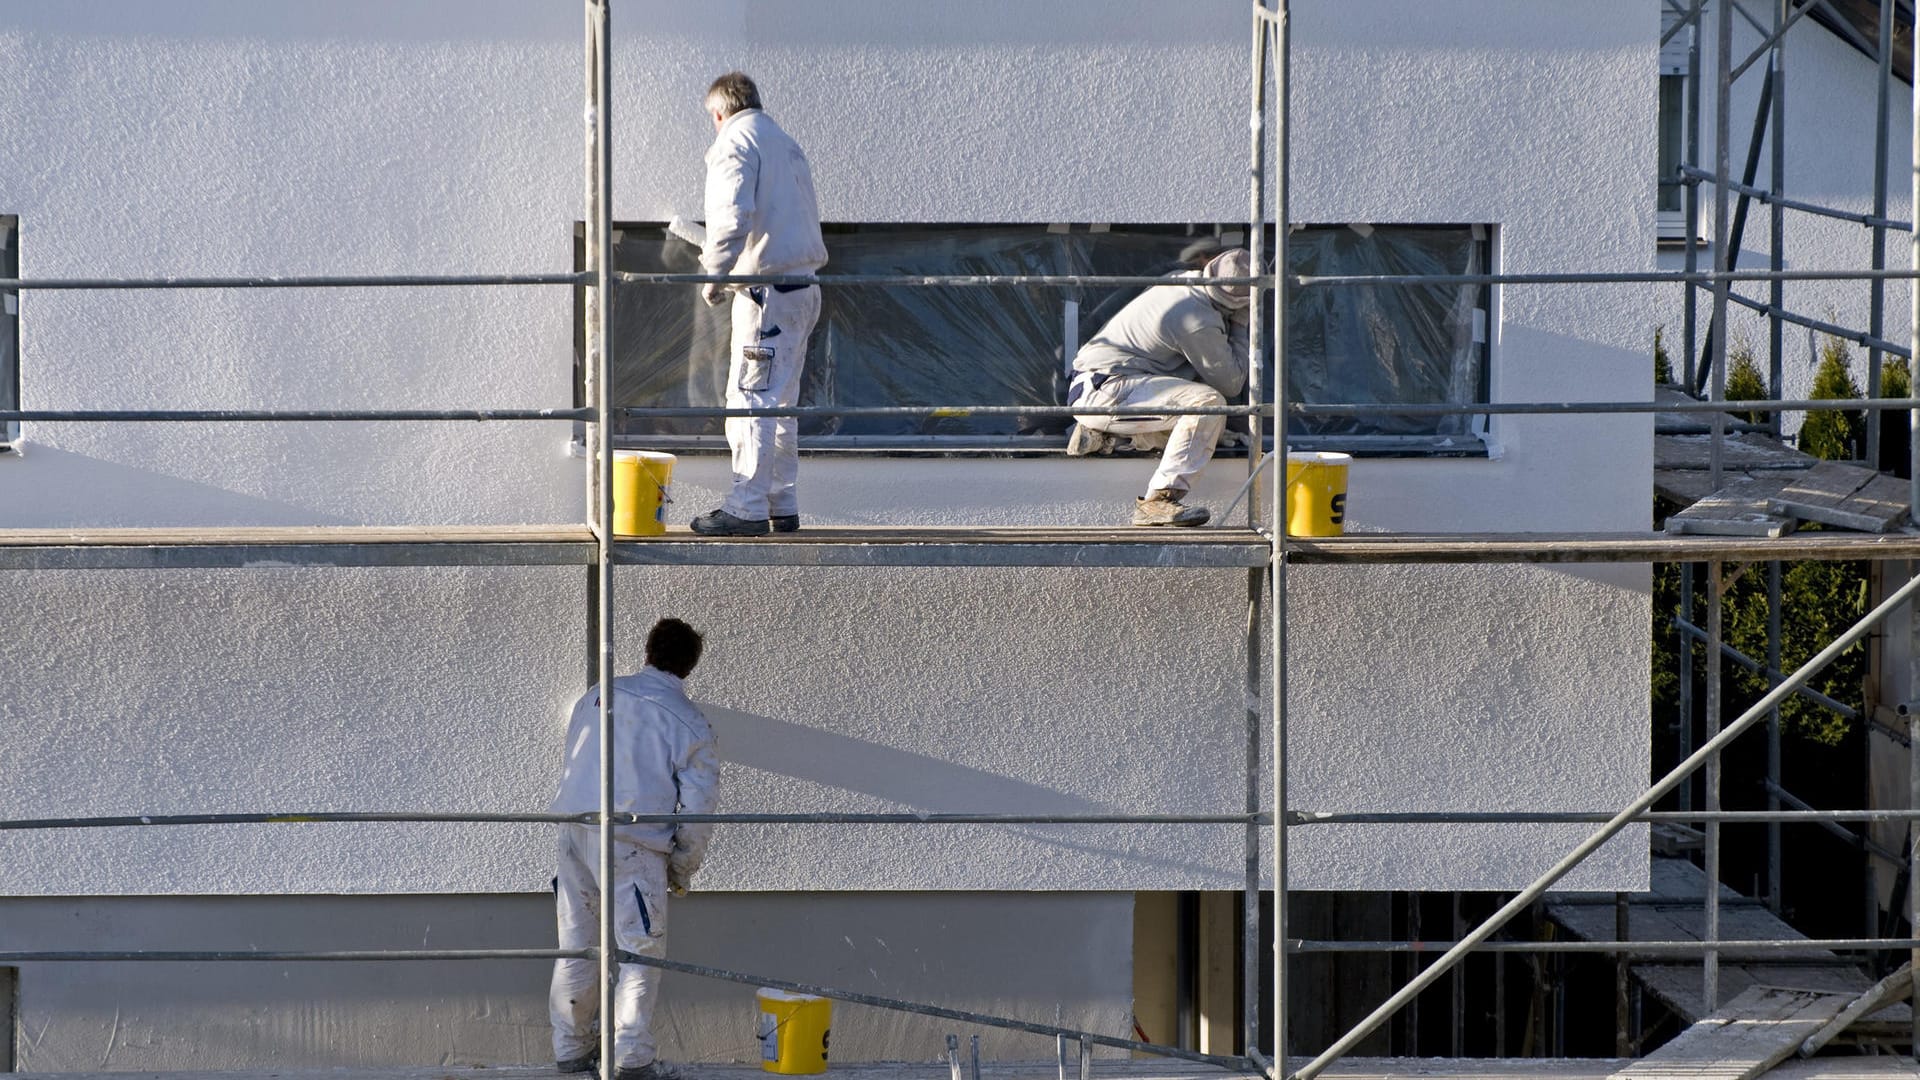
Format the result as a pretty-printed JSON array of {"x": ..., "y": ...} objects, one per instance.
[
  {"x": 1264, "y": 281},
  {"x": 1765, "y": 196},
  {"x": 1860, "y": 337},
  {"x": 1763, "y": 946},
  {"x": 293, "y": 281},
  {"x": 222, "y": 416},
  {"x": 1496, "y": 408},
  {"x": 942, "y": 411},
  {"x": 1548, "y": 408},
  {"x": 1596, "y": 277},
  {"x": 593, "y": 818},
  {"x": 1578, "y": 817}
]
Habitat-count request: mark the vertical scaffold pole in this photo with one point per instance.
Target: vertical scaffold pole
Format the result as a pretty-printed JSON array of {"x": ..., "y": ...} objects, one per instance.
[
  {"x": 1913, "y": 724},
  {"x": 1722, "y": 250},
  {"x": 599, "y": 229},
  {"x": 1690, "y": 334},
  {"x": 1775, "y": 852},
  {"x": 1777, "y": 219},
  {"x": 1278, "y": 567},
  {"x": 1913, "y": 350},
  {"x": 1250, "y": 902},
  {"x": 1722, "y": 262},
  {"x": 1710, "y": 967},
  {"x": 1913, "y": 616},
  {"x": 1776, "y": 327},
  {"x": 1877, "y": 298},
  {"x": 1690, "y": 292},
  {"x": 1256, "y": 245},
  {"x": 1256, "y": 580}
]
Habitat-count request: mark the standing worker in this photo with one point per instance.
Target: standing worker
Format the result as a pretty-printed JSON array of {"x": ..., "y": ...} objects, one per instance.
[
  {"x": 1172, "y": 346},
  {"x": 762, "y": 218},
  {"x": 664, "y": 762}
]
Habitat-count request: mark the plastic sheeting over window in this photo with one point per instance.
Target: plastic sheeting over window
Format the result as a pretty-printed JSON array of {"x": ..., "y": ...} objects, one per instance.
[
  {"x": 1006, "y": 345},
  {"x": 1388, "y": 344}
]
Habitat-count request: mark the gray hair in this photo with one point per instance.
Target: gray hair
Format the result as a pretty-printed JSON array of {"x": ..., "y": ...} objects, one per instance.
[{"x": 731, "y": 93}]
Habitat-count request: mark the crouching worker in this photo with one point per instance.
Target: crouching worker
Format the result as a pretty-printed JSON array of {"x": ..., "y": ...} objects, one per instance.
[
  {"x": 1171, "y": 346},
  {"x": 664, "y": 762}
]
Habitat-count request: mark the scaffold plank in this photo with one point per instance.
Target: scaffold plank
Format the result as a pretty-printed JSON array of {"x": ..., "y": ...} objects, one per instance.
[
  {"x": 1894, "y": 988},
  {"x": 1738, "y": 509},
  {"x": 1849, "y": 496},
  {"x": 1743, "y": 1039}
]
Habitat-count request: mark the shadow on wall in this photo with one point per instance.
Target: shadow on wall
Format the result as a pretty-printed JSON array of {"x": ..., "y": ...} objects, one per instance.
[
  {"x": 883, "y": 772},
  {"x": 921, "y": 782},
  {"x": 58, "y": 489}
]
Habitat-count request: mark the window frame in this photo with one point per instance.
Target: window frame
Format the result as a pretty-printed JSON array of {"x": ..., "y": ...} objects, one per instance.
[
  {"x": 1670, "y": 225},
  {"x": 9, "y": 331}
]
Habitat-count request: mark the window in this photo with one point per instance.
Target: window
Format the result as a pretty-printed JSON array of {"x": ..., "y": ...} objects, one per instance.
[
  {"x": 1407, "y": 344},
  {"x": 1670, "y": 206},
  {"x": 1013, "y": 345},
  {"x": 9, "y": 329}
]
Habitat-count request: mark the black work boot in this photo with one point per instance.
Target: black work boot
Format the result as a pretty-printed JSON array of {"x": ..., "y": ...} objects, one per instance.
[{"x": 721, "y": 523}]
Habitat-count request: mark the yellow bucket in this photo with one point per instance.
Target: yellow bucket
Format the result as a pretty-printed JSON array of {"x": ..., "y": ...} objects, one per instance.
[
  {"x": 794, "y": 1029},
  {"x": 1316, "y": 493},
  {"x": 640, "y": 479}
]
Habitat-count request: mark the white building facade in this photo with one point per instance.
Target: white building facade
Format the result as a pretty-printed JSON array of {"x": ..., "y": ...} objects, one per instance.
[{"x": 208, "y": 137}]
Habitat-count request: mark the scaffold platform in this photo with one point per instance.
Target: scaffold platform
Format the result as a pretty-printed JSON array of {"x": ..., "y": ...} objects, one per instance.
[
  {"x": 1202, "y": 548},
  {"x": 1357, "y": 1068}
]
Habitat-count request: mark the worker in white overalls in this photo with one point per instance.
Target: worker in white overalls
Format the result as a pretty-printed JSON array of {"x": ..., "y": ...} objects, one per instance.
[
  {"x": 1173, "y": 346},
  {"x": 762, "y": 218},
  {"x": 665, "y": 762}
]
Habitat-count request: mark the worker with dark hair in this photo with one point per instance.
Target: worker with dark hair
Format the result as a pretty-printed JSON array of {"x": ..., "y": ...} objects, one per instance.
[{"x": 665, "y": 762}]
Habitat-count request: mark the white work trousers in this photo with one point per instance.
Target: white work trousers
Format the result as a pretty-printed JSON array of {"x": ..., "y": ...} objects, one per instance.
[
  {"x": 640, "y": 927},
  {"x": 1190, "y": 439},
  {"x": 768, "y": 351}
]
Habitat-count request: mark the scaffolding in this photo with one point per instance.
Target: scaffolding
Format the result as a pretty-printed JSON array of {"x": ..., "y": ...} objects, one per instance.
[{"x": 1258, "y": 546}]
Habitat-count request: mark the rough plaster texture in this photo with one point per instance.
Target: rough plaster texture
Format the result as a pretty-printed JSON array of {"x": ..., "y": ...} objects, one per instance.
[
  {"x": 1070, "y": 951},
  {"x": 1830, "y": 98},
  {"x": 234, "y": 138}
]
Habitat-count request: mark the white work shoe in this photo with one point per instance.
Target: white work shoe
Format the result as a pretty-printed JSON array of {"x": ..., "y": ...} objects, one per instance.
[
  {"x": 1083, "y": 441},
  {"x": 1162, "y": 507}
]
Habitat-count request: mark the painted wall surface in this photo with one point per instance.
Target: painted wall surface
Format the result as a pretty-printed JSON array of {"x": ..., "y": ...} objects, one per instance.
[
  {"x": 1831, "y": 90},
  {"x": 1051, "y": 950},
  {"x": 393, "y": 137}
]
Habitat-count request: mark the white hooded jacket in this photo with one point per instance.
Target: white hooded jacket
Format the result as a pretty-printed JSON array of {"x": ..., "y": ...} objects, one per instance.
[
  {"x": 664, "y": 761},
  {"x": 762, "y": 215}
]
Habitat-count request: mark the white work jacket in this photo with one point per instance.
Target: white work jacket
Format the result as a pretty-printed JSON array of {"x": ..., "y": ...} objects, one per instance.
[
  {"x": 1175, "y": 329},
  {"x": 762, "y": 216},
  {"x": 664, "y": 761}
]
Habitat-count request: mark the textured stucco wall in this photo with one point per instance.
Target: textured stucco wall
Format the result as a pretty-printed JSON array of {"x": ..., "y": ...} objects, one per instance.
[
  {"x": 1830, "y": 97},
  {"x": 228, "y": 137},
  {"x": 1066, "y": 951}
]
